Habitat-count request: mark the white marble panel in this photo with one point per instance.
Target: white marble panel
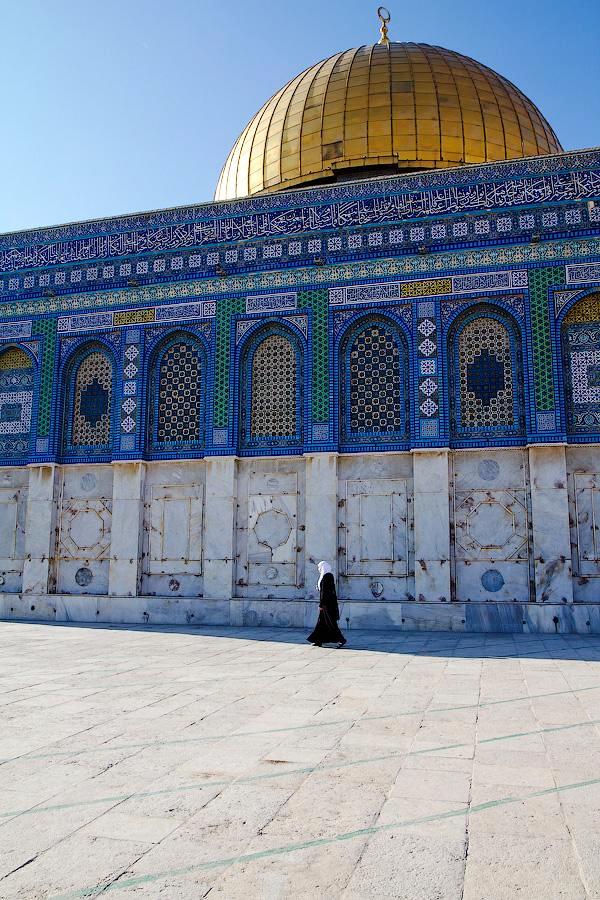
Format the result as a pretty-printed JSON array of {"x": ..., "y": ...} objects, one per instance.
[
  {"x": 84, "y": 539},
  {"x": 269, "y": 613},
  {"x": 173, "y": 530},
  {"x": 13, "y": 506},
  {"x": 491, "y": 526},
  {"x": 76, "y": 608},
  {"x": 432, "y": 525},
  {"x": 219, "y": 517},
  {"x": 270, "y": 528},
  {"x": 550, "y": 517},
  {"x": 38, "y": 573},
  {"x": 376, "y": 528},
  {"x": 375, "y": 522}
]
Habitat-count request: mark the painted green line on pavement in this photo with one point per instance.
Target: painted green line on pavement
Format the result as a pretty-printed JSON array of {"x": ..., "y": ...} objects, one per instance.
[
  {"x": 371, "y": 830},
  {"x": 289, "y": 728},
  {"x": 304, "y": 770}
]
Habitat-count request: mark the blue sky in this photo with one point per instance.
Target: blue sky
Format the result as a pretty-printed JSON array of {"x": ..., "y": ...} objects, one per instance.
[{"x": 126, "y": 105}]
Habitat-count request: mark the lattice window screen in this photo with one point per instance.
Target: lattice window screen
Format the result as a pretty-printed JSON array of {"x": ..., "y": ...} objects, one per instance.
[
  {"x": 273, "y": 402},
  {"x": 375, "y": 395},
  {"x": 586, "y": 310},
  {"x": 14, "y": 358},
  {"x": 179, "y": 394},
  {"x": 486, "y": 379},
  {"x": 92, "y": 402}
]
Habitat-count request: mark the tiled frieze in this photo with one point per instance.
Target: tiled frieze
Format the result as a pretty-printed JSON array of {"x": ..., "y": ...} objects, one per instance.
[
  {"x": 492, "y": 175},
  {"x": 441, "y": 265},
  {"x": 458, "y": 284},
  {"x": 347, "y": 245},
  {"x": 15, "y": 331},
  {"x": 582, "y": 273},
  {"x": 397, "y": 204}
]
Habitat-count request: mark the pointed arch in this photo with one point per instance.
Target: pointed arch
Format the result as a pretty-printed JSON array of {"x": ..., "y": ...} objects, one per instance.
[
  {"x": 271, "y": 398},
  {"x": 17, "y": 376},
  {"x": 580, "y": 335},
  {"x": 373, "y": 379},
  {"x": 89, "y": 400}
]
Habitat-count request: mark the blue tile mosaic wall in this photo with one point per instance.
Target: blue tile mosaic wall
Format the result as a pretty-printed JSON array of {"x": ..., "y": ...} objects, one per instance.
[{"x": 372, "y": 282}]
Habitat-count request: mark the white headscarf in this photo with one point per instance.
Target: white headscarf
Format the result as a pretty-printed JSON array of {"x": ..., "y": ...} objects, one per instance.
[{"x": 323, "y": 568}]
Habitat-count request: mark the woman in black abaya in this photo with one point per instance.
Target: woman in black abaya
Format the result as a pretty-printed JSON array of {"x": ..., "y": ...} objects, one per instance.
[{"x": 327, "y": 630}]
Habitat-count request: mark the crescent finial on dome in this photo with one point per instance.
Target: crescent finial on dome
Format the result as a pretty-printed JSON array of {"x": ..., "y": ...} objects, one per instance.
[{"x": 384, "y": 17}]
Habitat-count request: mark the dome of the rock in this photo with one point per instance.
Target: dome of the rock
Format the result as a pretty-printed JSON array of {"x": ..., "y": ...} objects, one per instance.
[{"x": 388, "y": 106}]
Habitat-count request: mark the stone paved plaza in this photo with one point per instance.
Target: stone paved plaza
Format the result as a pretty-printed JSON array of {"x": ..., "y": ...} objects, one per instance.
[{"x": 178, "y": 763}]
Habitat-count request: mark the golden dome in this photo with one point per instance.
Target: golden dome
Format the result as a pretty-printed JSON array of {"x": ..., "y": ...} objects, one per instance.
[{"x": 403, "y": 105}]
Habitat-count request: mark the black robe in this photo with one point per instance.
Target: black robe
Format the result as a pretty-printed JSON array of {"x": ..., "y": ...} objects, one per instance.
[{"x": 327, "y": 630}]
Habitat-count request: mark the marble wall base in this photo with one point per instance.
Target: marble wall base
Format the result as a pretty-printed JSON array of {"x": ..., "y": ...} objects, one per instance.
[
  {"x": 468, "y": 540},
  {"x": 517, "y": 618}
]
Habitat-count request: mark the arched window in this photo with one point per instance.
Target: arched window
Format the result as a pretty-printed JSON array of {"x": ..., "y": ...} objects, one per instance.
[
  {"x": 581, "y": 352},
  {"x": 271, "y": 410},
  {"x": 178, "y": 391},
  {"x": 89, "y": 400},
  {"x": 373, "y": 382},
  {"x": 16, "y": 401},
  {"x": 486, "y": 392}
]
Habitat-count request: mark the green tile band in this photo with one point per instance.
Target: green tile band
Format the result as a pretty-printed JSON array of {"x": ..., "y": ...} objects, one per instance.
[
  {"x": 318, "y": 302},
  {"x": 46, "y": 328},
  {"x": 543, "y": 369},
  {"x": 226, "y": 309}
]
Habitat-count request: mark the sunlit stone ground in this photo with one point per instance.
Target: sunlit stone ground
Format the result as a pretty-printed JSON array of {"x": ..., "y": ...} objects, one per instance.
[{"x": 248, "y": 764}]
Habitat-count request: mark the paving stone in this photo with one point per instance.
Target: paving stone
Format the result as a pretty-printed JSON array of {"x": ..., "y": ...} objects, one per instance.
[{"x": 242, "y": 762}]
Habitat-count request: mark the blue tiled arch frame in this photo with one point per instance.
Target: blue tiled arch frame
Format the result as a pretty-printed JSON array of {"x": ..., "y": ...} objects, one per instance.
[
  {"x": 403, "y": 335},
  {"x": 242, "y": 373},
  {"x": 68, "y": 368},
  {"x": 20, "y": 458},
  {"x": 558, "y": 346},
  {"x": 153, "y": 352},
  {"x": 494, "y": 435}
]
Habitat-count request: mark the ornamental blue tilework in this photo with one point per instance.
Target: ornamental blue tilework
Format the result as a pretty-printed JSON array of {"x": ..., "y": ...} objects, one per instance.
[
  {"x": 360, "y": 293},
  {"x": 16, "y": 401}
]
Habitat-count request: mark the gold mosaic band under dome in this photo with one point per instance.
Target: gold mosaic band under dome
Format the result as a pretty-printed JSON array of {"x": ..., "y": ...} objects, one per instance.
[{"x": 410, "y": 106}]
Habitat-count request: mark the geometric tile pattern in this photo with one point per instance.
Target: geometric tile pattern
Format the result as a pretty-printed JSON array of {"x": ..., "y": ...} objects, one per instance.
[
  {"x": 16, "y": 401},
  {"x": 317, "y": 302},
  {"x": 131, "y": 370},
  {"x": 586, "y": 310},
  {"x": 375, "y": 388},
  {"x": 581, "y": 342},
  {"x": 428, "y": 382},
  {"x": 14, "y": 358},
  {"x": 15, "y": 412},
  {"x": 81, "y": 293},
  {"x": 540, "y": 280},
  {"x": 179, "y": 394}
]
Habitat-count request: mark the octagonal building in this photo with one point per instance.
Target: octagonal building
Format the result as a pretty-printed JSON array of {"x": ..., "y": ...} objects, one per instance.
[{"x": 379, "y": 346}]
